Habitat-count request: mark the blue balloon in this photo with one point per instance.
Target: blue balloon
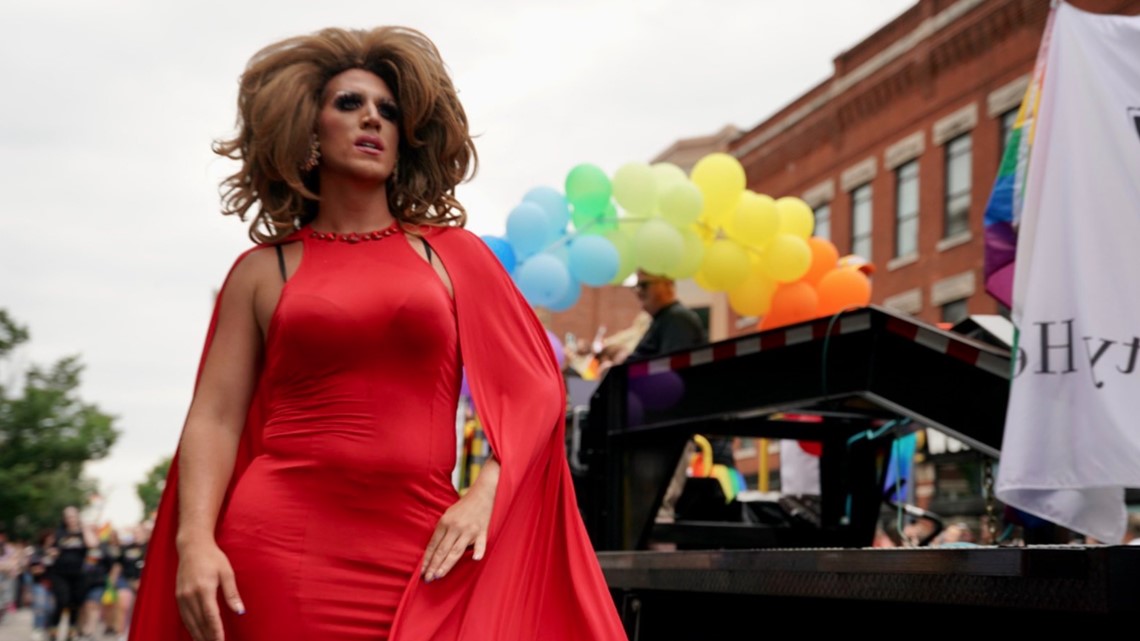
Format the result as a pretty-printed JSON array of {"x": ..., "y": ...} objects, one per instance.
[
  {"x": 528, "y": 230},
  {"x": 543, "y": 279},
  {"x": 573, "y": 293},
  {"x": 561, "y": 252},
  {"x": 502, "y": 250},
  {"x": 554, "y": 204},
  {"x": 593, "y": 260}
]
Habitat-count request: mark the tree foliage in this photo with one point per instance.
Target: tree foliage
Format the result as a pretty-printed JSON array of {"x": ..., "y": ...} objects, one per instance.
[
  {"x": 47, "y": 434},
  {"x": 150, "y": 490}
]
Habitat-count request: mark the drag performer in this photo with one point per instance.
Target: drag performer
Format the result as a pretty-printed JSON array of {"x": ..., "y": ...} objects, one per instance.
[{"x": 311, "y": 495}]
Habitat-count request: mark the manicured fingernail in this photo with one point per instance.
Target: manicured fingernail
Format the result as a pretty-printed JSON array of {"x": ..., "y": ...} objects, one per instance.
[{"x": 429, "y": 578}]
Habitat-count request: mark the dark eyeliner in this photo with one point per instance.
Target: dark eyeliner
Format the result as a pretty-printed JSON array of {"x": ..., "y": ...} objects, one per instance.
[
  {"x": 388, "y": 110},
  {"x": 348, "y": 101}
]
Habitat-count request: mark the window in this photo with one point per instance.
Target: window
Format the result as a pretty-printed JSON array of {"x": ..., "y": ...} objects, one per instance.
[
  {"x": 823, "y": 221},
  {"x": 1007, "y": 120},
  {"x": 959, "y": 157},
  {"x": 906, "y": 209},
  {"x": 861, "y": 221},
  {"x": 955, "y": 311},
  {"x": 703, "y": 314}
]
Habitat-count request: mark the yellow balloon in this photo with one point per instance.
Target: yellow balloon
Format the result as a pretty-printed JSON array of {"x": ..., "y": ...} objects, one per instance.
[
  {"x": 725, "y": 265},
  {"x": 787, "y": 258},
  {"x": 705, "y": 231},
  {"x": 753, "y": 297},
  {"x": 717, "y": 219},
  {"x": 721, "y": 179},
  {"x": 796, "y": 218},
  {"x": 700, "y": 279},
  {"x": 755, "y": 221}
]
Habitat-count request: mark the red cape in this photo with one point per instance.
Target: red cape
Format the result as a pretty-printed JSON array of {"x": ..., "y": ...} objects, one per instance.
[{"x": 540, "y": 578}]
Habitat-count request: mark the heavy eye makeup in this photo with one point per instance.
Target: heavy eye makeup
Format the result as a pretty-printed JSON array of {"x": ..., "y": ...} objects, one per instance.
[{"x": 351, "y": 101}]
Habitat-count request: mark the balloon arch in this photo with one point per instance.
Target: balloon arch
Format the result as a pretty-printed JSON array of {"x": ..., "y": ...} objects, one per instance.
[{"x": 705, "y": 225}]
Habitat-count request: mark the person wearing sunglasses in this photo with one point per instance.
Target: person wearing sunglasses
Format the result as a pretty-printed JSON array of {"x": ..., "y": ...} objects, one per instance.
[{"x": 674, "y": 327}]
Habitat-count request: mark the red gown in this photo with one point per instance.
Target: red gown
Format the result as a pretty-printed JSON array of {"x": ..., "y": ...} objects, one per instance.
[{"x": 345, "y": 463}]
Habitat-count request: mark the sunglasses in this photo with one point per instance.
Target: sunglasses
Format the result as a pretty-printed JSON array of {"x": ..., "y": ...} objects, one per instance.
[{"x": 644, "y": 284}]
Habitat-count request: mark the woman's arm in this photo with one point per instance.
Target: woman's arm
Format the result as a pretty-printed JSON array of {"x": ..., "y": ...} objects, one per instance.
[
  {"x": 209, "y": 446},
  {"x": 463, "y": 525},
  {"x": 217, "y": 413}
]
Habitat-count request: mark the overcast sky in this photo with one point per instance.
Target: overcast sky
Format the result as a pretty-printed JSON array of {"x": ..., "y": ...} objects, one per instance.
[{"x": 112, "y": 244}]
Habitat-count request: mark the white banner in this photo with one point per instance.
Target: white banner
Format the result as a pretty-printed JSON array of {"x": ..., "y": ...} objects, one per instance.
[{"x": 1072, "y": 434}]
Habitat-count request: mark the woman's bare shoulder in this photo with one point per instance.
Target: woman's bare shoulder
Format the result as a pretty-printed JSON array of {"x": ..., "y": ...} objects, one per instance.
[{"x": 252, "y": 267}]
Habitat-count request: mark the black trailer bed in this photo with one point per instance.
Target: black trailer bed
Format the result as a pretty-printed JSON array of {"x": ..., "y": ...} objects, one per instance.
[{"x": 699, "y": 594}]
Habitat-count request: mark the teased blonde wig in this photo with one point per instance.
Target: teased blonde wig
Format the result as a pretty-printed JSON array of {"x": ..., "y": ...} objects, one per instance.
[{"x": 278, "y": 103}]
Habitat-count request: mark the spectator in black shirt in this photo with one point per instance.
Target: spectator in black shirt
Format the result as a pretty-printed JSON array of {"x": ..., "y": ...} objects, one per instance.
[
  {"x": 674, "y": 327},
  {"x": 131, "y": 558},
  {"x": 68, "y": 579}
]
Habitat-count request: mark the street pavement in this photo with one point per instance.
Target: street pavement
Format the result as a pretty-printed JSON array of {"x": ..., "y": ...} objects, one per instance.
[{"x": 16, "y": 626}]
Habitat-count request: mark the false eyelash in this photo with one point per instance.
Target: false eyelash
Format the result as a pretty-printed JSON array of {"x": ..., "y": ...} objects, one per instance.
[
  {"x": 348, "y": 101},
  {"x": 389, "y": 110}
]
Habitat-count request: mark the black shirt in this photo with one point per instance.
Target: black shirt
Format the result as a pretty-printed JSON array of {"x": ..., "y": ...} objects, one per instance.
[
  {"x": 674, "y": 327},
  {"x": 102, "y": 559},
  {"x": 72, "y": 552},
  {"x": 132, "y": 559}
]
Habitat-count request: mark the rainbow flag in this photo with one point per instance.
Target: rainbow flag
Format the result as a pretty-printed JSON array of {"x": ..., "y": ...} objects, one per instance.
[{"x": 1003, "y": 211}]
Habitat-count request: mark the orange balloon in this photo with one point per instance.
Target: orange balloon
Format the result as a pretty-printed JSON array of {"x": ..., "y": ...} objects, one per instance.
[
  {"x": 841, "y": 288},
  {"x": 792, "y": 303},
  {"x": 824, "y": 258}
]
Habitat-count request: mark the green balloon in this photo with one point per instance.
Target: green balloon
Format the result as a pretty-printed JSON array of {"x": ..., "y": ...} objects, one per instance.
[
  {"x": 658, "y": 246},
  {"x": 592, "y": 222},
  {"x": 635, "y": 189},
  {"x": 681, "y": 204},
  {"x": 588, "y": 189},
  {"x": 692, "y": 257}
]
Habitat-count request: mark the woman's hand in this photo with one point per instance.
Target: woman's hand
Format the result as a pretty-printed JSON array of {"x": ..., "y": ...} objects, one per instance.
[
  {"x": 463, "y": 525},
  {"x": 202, "y": 569}
]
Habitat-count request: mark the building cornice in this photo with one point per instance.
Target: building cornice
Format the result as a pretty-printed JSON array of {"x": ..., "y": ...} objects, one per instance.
[{"x": 929, "y": 49}]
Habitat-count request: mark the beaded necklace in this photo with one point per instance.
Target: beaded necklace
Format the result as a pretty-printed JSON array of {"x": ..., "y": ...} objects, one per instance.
[{"x": 354, "y": 237}]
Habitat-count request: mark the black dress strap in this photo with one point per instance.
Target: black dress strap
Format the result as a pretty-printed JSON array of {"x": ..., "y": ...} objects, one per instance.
[
  {"x": 281, "y": 262},
  {"x": 427, "y": 248}
]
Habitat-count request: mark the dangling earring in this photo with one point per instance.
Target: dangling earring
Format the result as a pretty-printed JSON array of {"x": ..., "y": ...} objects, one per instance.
[{"x": 314, "y": 155}]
